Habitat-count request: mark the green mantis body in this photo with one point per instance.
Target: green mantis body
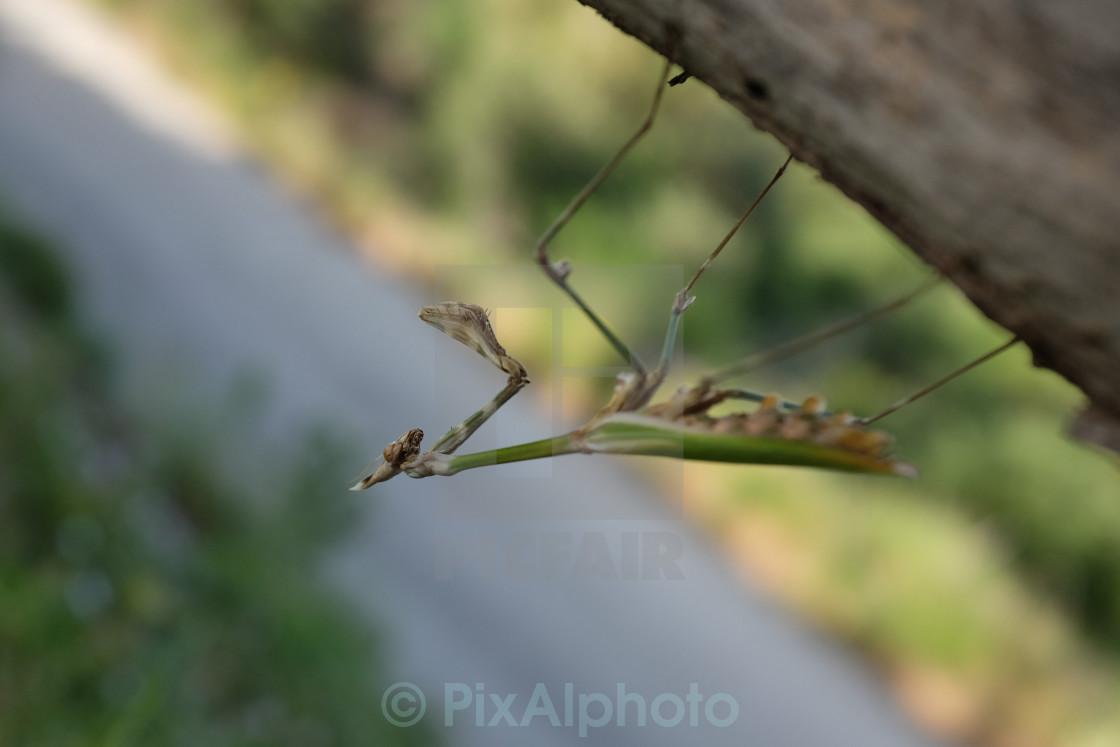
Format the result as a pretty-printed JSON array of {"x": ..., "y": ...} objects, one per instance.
[
  {"x": 627, "y": 433},
  {"x": 776, "y": 432}
]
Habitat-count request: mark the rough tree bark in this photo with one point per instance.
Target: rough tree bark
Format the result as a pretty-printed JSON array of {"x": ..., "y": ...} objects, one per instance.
[{"x": 984, "y": 133}]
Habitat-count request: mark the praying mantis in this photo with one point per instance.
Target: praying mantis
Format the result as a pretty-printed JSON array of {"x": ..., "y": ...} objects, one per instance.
[{"x": 775, "y": 432}]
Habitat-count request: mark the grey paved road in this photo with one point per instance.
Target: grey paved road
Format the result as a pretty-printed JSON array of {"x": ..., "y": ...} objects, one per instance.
[{"x": 488, "y": 584}]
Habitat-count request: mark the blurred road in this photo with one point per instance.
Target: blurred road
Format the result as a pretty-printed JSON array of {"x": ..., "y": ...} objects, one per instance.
[{"x": 201, "y": 269}]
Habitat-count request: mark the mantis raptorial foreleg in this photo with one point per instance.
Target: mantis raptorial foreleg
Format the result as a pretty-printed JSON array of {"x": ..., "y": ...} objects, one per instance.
[{"x": 470, "y": 325}]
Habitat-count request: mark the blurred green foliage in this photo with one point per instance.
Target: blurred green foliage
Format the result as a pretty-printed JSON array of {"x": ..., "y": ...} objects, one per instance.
[
  {"x": 330, "y": 36},
  {"x": 145, "y": 598}
]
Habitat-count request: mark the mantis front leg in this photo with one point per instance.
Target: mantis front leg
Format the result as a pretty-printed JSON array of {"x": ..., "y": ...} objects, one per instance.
[{"x": 470, "y": 325}]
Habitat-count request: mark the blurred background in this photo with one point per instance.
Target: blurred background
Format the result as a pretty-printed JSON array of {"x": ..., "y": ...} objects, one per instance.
[{"x": 167, "y": 510}]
